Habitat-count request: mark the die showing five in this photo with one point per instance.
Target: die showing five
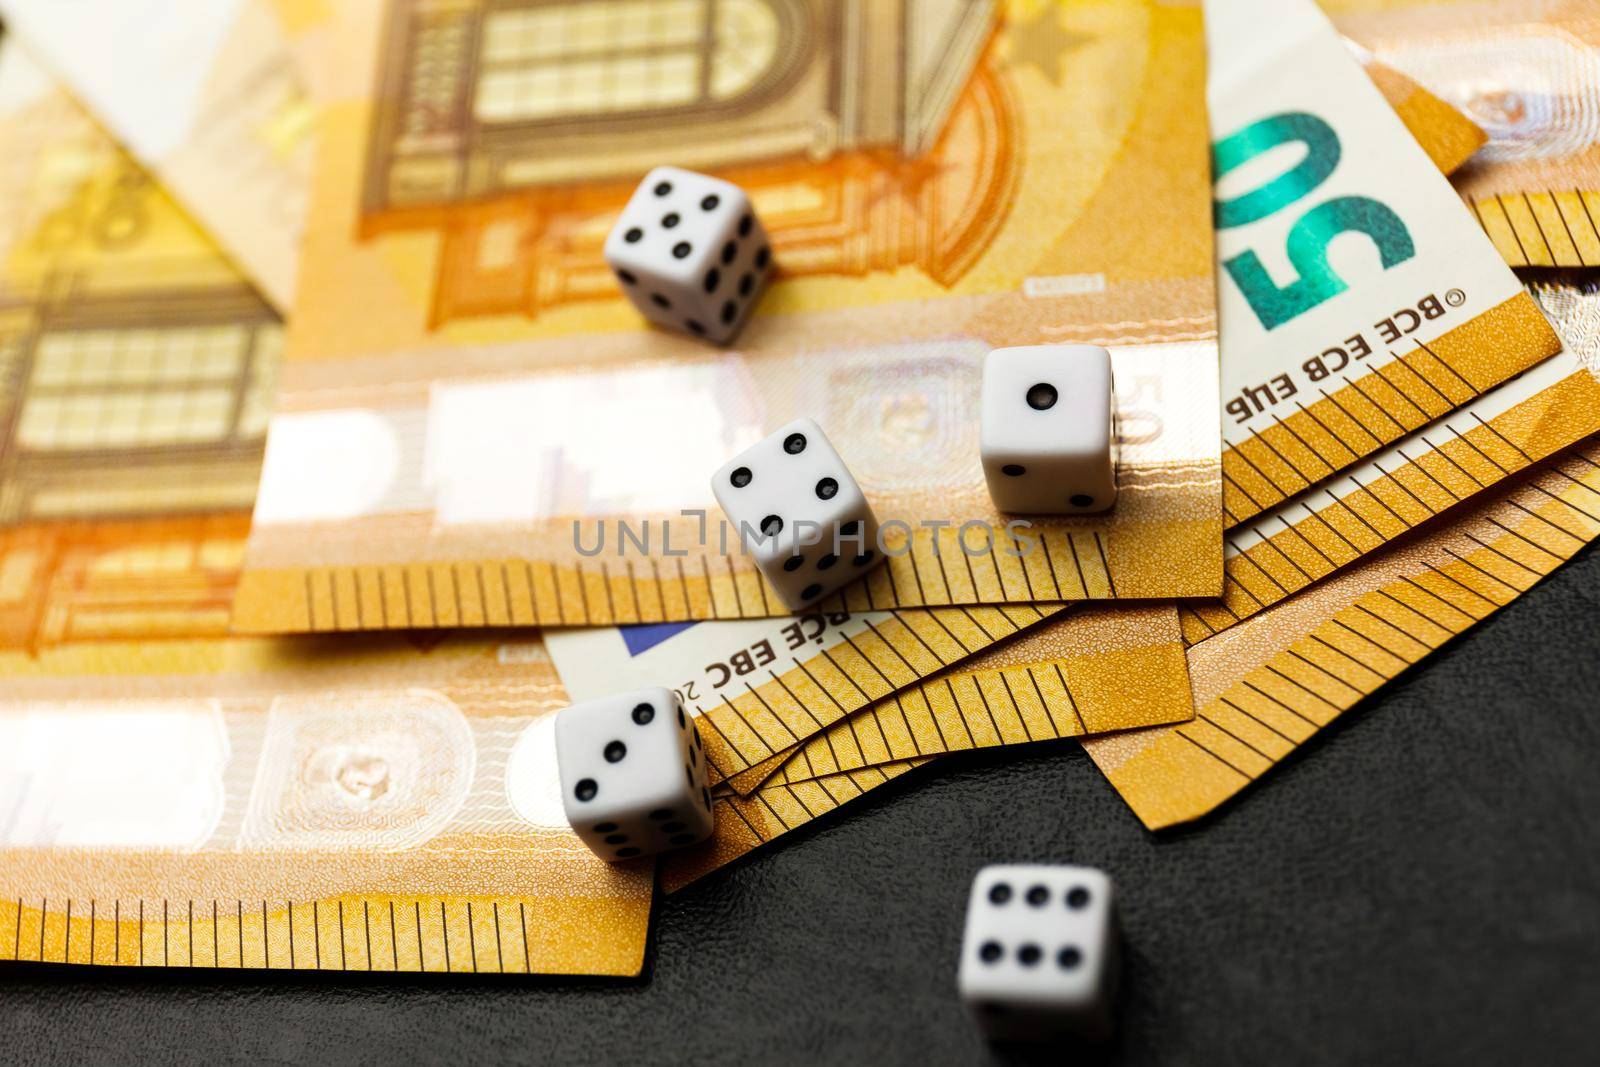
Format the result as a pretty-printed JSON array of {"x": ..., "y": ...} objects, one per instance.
[
  {"x": 800, "y": 513},
  {"x": 690, "y": 253}
]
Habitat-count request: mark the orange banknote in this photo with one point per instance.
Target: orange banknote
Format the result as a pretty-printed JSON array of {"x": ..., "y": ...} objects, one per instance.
[
  {"x": 1529, "y": 74},
  {"x": 138, "y": 372},
  {"x": 1265, "y": 687},
  {"x": 1092, "y": 671},
  {"x": 471, "y": 413},
  {"x": 391, "y": 804}
]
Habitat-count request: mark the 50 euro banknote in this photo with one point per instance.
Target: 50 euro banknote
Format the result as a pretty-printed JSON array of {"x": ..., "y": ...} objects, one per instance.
[
  {"x": 1287, "y": 553},
  {"x": 249, "y": 803},
  {"x": 1264, "y": 688},
  {"x": 1358, "y": 299},
  {"x": 467, "y": 400}
]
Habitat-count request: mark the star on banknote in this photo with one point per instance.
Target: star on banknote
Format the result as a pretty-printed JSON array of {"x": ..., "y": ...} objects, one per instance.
[{"x": 1042, "y": 42}]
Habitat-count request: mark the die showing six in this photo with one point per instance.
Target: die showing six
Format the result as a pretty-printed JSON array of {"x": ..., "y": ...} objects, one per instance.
[{"x": 1039, "y": 957}]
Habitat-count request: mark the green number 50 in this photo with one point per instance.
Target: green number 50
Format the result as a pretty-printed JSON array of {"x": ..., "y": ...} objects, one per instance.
[{"x": 1308, "y": 240}]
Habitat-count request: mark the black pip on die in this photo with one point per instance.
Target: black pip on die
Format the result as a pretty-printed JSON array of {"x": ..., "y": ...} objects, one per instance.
[
  {"x": 1048, "y": 435},
  {"x": 799, "y": 513},
  {"x": 690, "y": 253},
  {"x": 633, "y": 776}
]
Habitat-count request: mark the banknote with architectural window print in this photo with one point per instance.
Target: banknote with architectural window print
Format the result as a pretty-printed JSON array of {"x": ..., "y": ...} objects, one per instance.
[
  {"x": 136, "y": 371},
  {"x": 938, "y": 178}
]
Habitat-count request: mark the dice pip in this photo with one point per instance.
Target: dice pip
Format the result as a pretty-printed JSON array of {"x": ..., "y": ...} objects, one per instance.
[
  {"x": 799, "y": 513},
  {"x": 1039, "y": 956},
  {"x": 633, "y": 776},
  {"x": 690, "y": 253},
  {"x": 1048, "y": 435}
]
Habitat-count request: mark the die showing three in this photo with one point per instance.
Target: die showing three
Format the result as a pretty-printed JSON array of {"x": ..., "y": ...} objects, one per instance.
[{"x": 633, "y": 774}]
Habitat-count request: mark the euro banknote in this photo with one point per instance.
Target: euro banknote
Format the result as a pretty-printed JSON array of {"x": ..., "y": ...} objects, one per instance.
[
  {"x": 1092, "y": 671},
  {"x": 136, "y": 371},
  {"x": 1353, "y": 267},
  {"x": 1264, "y": 688},
  {"x": 1496, "y": 435},
  {"x": 209, "y": 98},
  {"x": 171, "y": 796},
  {"x": 758, "y": 688},
  {"x": 1528, "y": 74},
  {"x": 1044, "y": 181},
  {"x": 1289, "y": 551},
  {"x": 746, "y": 823},
  {"x": 391, "y": 804}
]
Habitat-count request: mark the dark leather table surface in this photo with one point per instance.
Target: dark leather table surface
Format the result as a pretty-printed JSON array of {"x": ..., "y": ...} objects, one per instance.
[{"x": 1421, "y": 885}]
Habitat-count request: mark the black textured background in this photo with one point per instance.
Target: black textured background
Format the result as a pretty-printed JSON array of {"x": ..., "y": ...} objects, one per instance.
[{"x": 1420, "y": 884}]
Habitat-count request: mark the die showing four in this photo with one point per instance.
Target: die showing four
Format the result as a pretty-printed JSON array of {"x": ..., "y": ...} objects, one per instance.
[
  {"x": 633, "y": 774},
  {"x": 690, "y": 253},
  {"x": 799, "y": 513},
  {"x": 1039, "y": 957}
]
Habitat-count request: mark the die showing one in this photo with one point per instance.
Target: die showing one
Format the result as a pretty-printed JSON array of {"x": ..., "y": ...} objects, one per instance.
[
  {"x": 633, "y": 776},
  {"x": 1039, "y": 957},
  {"x": 1048, "y": 437},
  {"x": 799, "y": 513},
  {"x": 690, "y": 253}
]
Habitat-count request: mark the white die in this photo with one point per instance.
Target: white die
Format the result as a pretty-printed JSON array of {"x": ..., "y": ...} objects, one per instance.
[
  {"x": 633, "y": 776},
  {"x": 1049, "y": 429},
  {"x": 690, "y": 253},
  {"x": 799, "y": 513},
  {"x": 1039, "y": 956}
]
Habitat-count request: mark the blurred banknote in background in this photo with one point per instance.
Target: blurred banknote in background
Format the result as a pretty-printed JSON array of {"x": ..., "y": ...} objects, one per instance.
[
  {"x": 1528, "y": 73},
  {"x": 136, "y": 374},
  {"x": 209, "y": 98},
  {"x": 173, "y": 796}
]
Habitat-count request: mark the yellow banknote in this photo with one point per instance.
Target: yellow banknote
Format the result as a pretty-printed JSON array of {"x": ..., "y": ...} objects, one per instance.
[
  {"x": 1267, "y": 686},
  {"x": 208, "y": 97},
  {"x": 390, "y": 804},
  {"x": 1275, "y": 556},
  {"x": 471, "y": 411},
  {"x": 136, "y": 374},
  {"x": 1448, "y": 136},
  {"x": 1091, "y": 671},
  {"x": 759, "y": 688},
  {"x": 1355, "y": 267},
  {"x": 1529, "y": 75},
  {"x": 745, "y": 823},
  {"x": 1495, "y": 435}
]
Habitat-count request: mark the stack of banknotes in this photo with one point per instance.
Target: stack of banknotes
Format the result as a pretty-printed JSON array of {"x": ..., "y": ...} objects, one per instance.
[{"x": 332, "y": 464}]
